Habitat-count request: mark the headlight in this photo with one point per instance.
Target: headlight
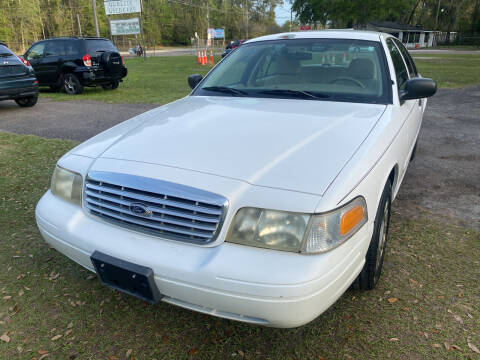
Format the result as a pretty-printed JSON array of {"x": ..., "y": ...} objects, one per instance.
[
  {"x": 329, "y": 230},
  {"x": 67, "y": 185},
  {"x": 297, "y": 232}
]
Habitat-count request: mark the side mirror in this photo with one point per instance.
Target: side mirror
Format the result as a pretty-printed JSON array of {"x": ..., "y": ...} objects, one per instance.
[
  {"x": 418, "y": 88},
  {"x": 194, "y": 79}
]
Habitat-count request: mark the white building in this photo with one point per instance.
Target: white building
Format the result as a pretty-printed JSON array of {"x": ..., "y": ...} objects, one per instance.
[{"x": 411, "y": 36}]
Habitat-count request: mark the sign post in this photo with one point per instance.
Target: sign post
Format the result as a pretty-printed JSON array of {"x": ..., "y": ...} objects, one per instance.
[{"x": 127, "y": 26}]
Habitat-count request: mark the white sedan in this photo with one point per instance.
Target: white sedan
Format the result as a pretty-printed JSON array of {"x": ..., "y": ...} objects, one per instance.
[{"x": 260, "y": 197}]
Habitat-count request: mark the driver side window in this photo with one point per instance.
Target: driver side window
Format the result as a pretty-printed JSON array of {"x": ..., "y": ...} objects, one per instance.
[
  {"x": 401, "y": 71},
  {"x": 36, "y": 52}
]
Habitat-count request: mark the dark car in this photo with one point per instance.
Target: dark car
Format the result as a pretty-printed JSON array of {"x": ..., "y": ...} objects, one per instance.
[
  {"x": 232, "y": 46},
  {"x": 17, "y": 80},
  {"x": 72, "y": 63}
]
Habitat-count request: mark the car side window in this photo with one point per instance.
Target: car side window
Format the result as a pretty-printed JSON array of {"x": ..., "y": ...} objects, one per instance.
[
  {"x": 412, "y": 70},
  {"x": 55, "y": 48},
  {"x": 401, "y": 71},
  {"x": 36, "y": 52}
]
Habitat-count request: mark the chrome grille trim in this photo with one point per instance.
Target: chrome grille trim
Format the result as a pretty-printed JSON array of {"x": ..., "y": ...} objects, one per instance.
[{"x": 172, "y": 210}]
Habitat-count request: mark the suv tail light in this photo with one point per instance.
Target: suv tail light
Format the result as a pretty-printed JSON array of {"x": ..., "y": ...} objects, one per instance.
[
  {"x": 121, "y": 57},
  {"x": 87, "y": 60},
  {"x": 25, "y": 62}
]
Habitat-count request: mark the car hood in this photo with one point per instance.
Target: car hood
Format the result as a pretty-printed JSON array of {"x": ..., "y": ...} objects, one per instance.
[{"x": 297, "y": 145}]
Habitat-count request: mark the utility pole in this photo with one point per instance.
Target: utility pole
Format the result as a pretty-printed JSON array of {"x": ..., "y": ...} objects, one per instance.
[
  {"x": 438, "y": 11},
  {"x": 246, "y": 19},
  {"x": 95, "y": 20},
  {"x": 79, "y": 25},
  {"x": 208, "y": 24},
  {"x": 290, "y": 19}
]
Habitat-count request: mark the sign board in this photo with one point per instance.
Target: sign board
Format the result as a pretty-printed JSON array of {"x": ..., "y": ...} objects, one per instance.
[
  {"x": 125, "y": 27},
  {"x": 114, "y": 7},
  {"x": 211, "y": 33},
  {"x": 219, "y": 33}
]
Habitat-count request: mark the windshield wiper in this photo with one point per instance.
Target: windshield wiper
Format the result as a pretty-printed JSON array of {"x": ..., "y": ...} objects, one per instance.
[
  {"x": 296, "y": 93},
  {"x": 5, "y": 54},
  {"x": 226, "y": 89}
]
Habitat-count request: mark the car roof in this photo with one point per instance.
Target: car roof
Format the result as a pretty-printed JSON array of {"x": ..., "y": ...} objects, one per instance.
[
  {"x": 325, "y": 34},
  {"x": 75, "y": 38}
]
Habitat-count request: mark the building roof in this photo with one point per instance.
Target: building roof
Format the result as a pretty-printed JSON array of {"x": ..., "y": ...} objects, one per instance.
[
  {"x": 395, "y": 26},
  {"x": 325, "y": 34}
]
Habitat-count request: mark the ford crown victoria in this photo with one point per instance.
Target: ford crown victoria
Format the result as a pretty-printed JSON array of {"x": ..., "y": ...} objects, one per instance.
[{"x": 260, "y": 197}]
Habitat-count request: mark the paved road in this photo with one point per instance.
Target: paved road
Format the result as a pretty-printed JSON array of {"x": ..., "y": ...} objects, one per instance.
[
  {"x": 443, "y": 51},
  {"x": 444, "y": 178},
  {"x": 73, "y": 120}
]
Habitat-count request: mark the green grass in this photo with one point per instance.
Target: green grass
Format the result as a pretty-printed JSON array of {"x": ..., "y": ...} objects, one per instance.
[
  {"x": 156, "y": 80},
  {"x": 450, "y": 70},
  {"x": 163, "y": 79},
  {"x": 431, "y": 269}
]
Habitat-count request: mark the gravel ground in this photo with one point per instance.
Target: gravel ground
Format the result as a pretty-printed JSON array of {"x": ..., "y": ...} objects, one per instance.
[
  {"x": 73, "y": 120},
  {"x": 443, "y": 178},
  {"x": 445, "y": 175}
]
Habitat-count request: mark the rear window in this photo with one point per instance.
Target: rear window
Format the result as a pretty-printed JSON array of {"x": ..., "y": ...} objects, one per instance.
[
  {"x": 97, "y": 46},
  {"x": 4, "y": 50}
]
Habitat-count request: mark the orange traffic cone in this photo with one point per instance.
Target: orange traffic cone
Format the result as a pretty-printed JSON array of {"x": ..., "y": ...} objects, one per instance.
[
  {"x": 205, "y": 59},
  {"x": 211, "y": 56},
  {"x": 199, "y": 59}
]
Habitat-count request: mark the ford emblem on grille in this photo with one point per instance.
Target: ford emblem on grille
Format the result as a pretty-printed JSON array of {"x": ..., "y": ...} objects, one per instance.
[{"x": 140, "y": 209}]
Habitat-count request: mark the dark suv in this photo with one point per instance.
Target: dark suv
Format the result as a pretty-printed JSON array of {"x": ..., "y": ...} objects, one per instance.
[
  {"x": 72, "y": 63},
  {"x": 17, "y": 80}
]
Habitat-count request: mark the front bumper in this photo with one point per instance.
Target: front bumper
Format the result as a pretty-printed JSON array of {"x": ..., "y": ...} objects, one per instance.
[{"x": 254, "y": 285}]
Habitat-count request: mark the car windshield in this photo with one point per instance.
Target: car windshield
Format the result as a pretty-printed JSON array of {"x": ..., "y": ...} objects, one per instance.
[
  {"x": 311, "y": 69},
  {"x": 4, "y": 51},
  {"x": 99, "y": 46}
]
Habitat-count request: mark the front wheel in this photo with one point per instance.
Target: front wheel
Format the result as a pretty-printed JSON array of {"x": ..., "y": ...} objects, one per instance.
[
  {"x": 372, "y": 269},
  {"x": 28, "y": 101},
  {"x": 71, "y": 84}
]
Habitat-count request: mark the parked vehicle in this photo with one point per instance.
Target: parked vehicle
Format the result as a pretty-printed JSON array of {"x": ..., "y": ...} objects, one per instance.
[
  {"x": 232, "y": 46},
  {"x": 17, "y": 80},
  {"x": 263, "y": 195},
  {"x": 70, "y": 63}
]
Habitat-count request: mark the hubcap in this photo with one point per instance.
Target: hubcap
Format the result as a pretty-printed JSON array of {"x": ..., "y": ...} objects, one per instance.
[
  {"x": 69, "y": 84},
  {"x": 382, "y": 239}
]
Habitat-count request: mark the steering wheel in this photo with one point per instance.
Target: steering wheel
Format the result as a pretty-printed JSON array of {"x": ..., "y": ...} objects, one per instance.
[{"x": 345, "y": 78}]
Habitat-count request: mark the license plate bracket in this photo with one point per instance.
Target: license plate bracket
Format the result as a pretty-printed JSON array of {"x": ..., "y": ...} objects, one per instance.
[{"x": 125, "y": 276}]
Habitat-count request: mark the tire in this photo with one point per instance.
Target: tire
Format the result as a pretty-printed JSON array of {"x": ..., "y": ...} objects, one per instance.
[
  {"x": 27, "y": 101},
  {"x": 372, "y": 269},
  {"x": 112, "y": 86},
  {"x": 71, "y": 85}
]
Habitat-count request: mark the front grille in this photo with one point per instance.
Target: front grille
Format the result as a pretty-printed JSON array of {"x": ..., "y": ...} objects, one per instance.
[
  {"x": 12, "y": 70},
  {"x": 156, "y": 207}
]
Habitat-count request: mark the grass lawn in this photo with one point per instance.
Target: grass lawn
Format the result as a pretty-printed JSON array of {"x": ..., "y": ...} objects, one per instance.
[
  {"x": 164, "y": 79},
  {"x": 450, "y": 70},
  {"x": 425, "y": 307},
  {"x": 155, "y": 80}
]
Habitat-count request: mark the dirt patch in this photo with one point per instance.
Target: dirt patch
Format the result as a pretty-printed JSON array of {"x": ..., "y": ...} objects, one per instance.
[{"x": 444, "y": 178}]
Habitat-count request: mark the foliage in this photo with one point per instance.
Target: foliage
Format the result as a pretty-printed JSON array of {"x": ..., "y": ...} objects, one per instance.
[
  {"x": 166, "y": 22},
  {"x": 446, "y": 15}
]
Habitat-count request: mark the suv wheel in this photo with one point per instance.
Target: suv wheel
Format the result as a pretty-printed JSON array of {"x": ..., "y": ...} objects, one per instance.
[
  {"x": 71, "y": 84},
  {"x": 112, "y": 86},
  {"x": 27, "y": 101},
  {"x": 372, "y": 269}
]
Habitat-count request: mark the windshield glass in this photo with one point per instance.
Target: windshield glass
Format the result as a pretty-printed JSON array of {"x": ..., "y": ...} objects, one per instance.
[
  {"x": 98, "y": 45},
  {"x": 312, "y": 69},
  {"x": 4, "y": 50}
]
